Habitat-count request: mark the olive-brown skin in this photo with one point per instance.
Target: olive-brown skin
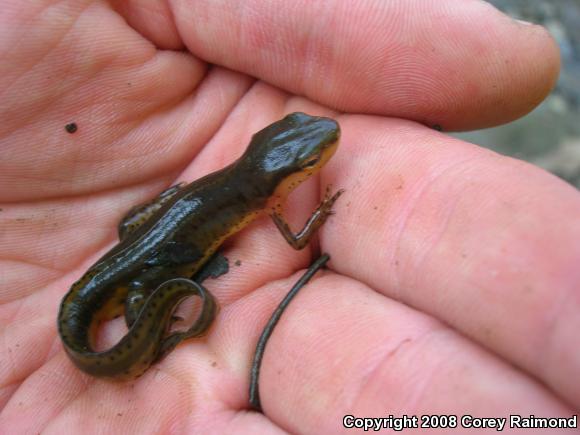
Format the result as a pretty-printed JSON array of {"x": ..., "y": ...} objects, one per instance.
[{"x": 167, "y": 241}]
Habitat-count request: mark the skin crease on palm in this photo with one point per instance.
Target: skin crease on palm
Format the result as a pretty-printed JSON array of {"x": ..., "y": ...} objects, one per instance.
[{"x": 453, "y": 286}]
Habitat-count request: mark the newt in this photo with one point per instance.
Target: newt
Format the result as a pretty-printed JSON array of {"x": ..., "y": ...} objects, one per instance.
[{"x": 166, "y": 242}]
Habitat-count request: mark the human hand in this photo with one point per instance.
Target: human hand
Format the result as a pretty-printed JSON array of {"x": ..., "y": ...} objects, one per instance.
[{"x": 453, "y": 285}]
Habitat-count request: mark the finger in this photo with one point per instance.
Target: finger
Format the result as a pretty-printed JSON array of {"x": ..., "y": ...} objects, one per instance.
[
  {"x": 459, "y": 65},
  {"x": 153, "y": 19},
  {"x": 486, "y": 243},
  {"x": 130, "y": 102},
  {"x": 341, "y": 348}
]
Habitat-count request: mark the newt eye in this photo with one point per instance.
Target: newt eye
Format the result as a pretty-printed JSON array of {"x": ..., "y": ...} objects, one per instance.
[{"x": 311, "y": 161}]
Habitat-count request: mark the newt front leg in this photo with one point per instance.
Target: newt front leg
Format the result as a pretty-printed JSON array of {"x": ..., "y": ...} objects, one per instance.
[{"x": 323, "y": 211}]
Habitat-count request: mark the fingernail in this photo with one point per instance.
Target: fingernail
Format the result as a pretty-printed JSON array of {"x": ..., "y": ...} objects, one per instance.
[{"x": 527, "y": 23}]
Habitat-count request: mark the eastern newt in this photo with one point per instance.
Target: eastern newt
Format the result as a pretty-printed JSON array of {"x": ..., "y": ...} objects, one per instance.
[{"x": 164, "y": 243}]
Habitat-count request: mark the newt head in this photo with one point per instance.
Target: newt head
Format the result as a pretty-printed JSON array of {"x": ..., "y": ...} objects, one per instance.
[{"x": 289, "y": 151}]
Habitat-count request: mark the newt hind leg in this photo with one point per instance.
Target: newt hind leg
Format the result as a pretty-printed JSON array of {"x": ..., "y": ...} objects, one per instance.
[
  {"x": 200, "y": 327},
  {"x": 215, "y": 267},
  {"x": 140, "y": 289}
]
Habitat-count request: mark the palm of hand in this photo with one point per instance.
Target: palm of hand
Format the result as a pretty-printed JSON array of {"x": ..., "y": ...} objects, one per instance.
[{"x": 415, "y": 212}]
